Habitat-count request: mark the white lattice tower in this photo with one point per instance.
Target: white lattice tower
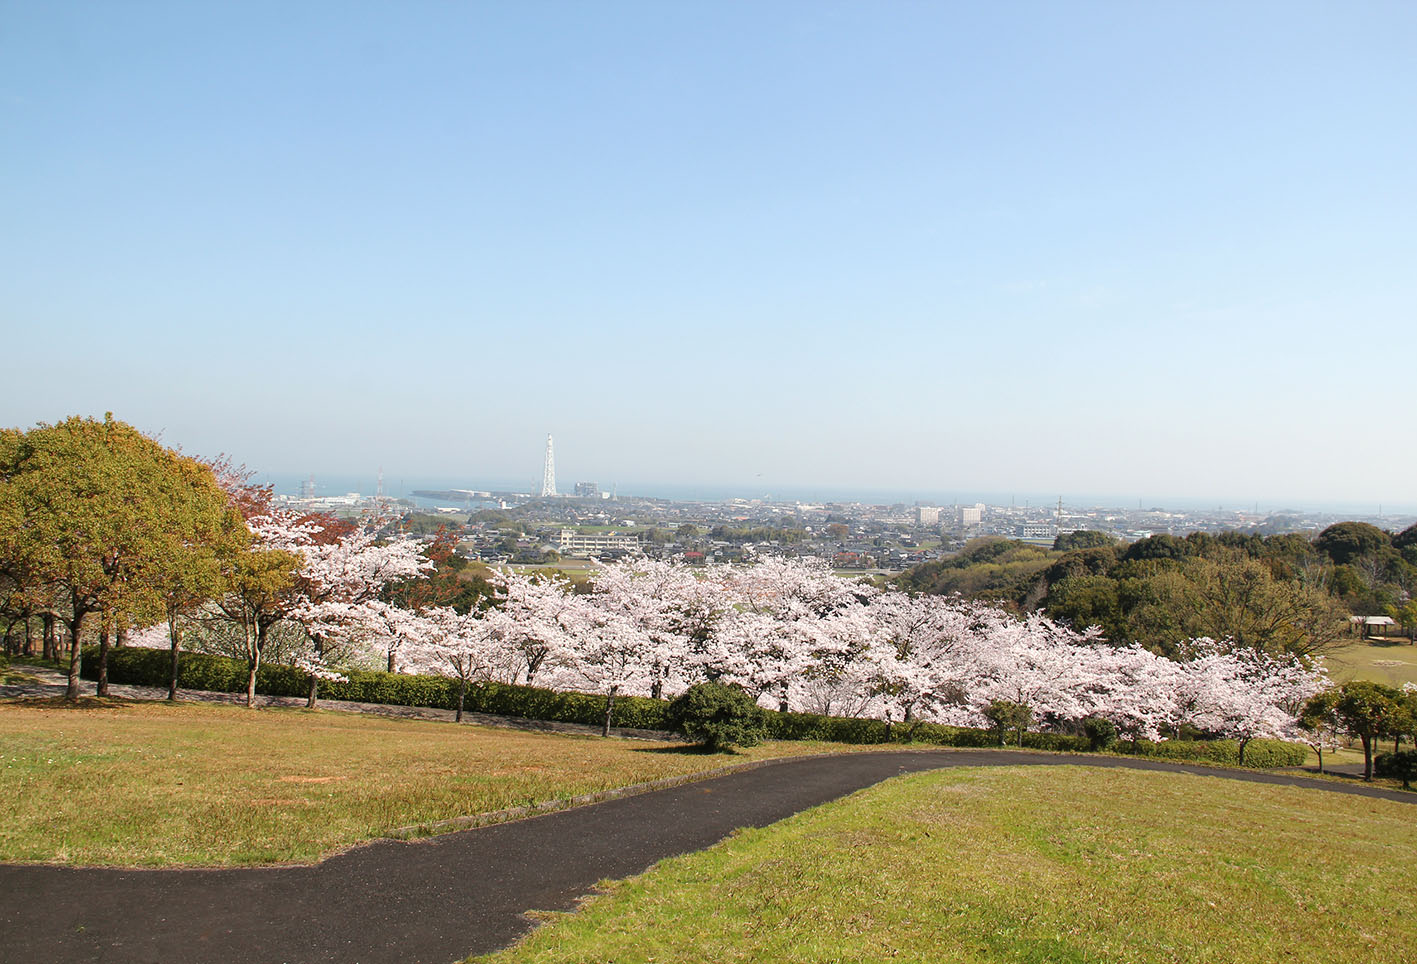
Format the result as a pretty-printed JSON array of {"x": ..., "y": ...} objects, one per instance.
[{"x": 548, "y": 472}]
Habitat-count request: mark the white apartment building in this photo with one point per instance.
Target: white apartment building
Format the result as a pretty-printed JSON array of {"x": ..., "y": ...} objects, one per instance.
[{"x": 575, "y": 543}]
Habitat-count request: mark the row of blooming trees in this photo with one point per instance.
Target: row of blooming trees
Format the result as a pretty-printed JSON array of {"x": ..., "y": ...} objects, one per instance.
[{"x": 788, "y": 630}]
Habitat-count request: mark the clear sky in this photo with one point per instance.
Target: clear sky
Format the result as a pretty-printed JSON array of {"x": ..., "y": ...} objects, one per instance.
[{"x": 1143, "y": 249}]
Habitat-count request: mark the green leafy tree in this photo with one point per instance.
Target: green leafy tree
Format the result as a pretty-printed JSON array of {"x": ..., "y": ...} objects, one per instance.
[
  {"x": 1083, "y": 539},
  {"x": 1237, "y": 597},
  {"x": 1088, "y": 600},
  {"x": 1162, "y": 546},
  {"x": 262, "y": 592},
  {"x": 1320, "y": 719},
  {"x": 1344, "y": 542},
  {"x": 1406, "y": 616},
  {"x": 1368, "y": 711},
  {"x": 89, "y": 509},
  {"x": 193, "y": 558},
  {"x": 1405, "y": 542}
]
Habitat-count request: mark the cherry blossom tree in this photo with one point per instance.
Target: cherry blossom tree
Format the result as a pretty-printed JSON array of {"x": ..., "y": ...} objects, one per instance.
[
  {"x": 1136, "y": 690},
  {"x": 340, "y": 580},
  {"x": 611, "y": 653},
  {"x": 1245, "y": 694},
  {"x": 538, "y": 618},
  {"x": 781, "y": 630},
  {"x": 676, "y": 607},
  {"x": 443, "y": 641}
]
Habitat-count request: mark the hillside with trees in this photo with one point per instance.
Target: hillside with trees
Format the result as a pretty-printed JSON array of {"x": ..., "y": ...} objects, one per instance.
[{"x": 1278, "y": 593}]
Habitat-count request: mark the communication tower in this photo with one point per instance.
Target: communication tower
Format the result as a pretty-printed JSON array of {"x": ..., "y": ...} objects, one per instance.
[{"x": 548, "y": 472}]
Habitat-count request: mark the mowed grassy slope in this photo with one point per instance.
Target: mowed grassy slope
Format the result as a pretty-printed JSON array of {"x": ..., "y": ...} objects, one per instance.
[
  {"x": 1026, "y": 865},
  {"x": 155, "y": 784},
  {"x": 1390, "y": 662}
]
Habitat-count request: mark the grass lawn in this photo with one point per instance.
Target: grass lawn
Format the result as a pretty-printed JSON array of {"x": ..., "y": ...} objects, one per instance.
[
  {"x": 1064, "y": 864},
  {"x": 1391, "y": 662},
  {"x": 155, "y": 784}
]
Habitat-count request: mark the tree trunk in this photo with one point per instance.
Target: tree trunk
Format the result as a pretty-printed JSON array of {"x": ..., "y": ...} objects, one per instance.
[
  {"x": 609, "y": 713},
  {"x": 174, "y": 636},
  {"x": 255, "y": 664},
  {"x": 1243, "y": 744},
  {"x": 29, "y": 638},
  {"x": 102, "y": 662},
  {"x": 172, "y": 671},
  {"x": 391, "y": 661},
  {"x": 50, "y": 645},
  {"x": 314, "y": 680},
  {"x": 462, "y": 696},
  {"x": 657, "y": 690},
  {"x": 120, "y": 638},
  {"x": 1367, "y": 757},
  {"x": 1320, "y": 751},
  {"x": 76, "y": 629}
]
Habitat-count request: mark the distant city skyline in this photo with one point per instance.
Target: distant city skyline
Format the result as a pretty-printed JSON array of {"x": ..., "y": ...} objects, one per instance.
[
  {"x": 1154, "y": 249},
  {"x": 342, "y": 483}
]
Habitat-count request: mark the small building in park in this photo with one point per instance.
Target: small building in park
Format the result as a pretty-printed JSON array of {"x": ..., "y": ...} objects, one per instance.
[{"x": 1377, "y": 626}]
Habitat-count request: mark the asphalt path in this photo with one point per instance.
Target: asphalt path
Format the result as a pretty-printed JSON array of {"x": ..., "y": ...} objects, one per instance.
[{"x": 443, "y": 898}]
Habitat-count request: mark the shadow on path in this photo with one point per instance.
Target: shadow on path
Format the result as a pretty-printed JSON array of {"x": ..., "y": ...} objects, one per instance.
[{"x": 443, "y": 898}]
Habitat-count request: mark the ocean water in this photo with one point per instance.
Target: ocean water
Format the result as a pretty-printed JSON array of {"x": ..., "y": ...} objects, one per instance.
[{"x": 402, "y": 486}]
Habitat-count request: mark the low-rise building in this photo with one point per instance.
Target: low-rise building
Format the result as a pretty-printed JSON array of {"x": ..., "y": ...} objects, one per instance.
[{"x": 575, "y": 543}]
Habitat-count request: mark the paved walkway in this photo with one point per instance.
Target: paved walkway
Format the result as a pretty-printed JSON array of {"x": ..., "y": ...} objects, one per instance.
[{"x": 443, "y": 898}]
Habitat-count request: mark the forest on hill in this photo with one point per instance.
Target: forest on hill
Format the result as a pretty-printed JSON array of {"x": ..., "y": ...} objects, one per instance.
[{"x": 1278, "y": 593}]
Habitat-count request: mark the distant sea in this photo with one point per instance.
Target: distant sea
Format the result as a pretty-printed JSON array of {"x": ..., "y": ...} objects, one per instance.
[{"x": 396, "y": 486}]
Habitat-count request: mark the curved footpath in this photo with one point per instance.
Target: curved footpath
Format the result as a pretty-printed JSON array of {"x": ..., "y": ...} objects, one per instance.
[{"x": 443, "y": 898}]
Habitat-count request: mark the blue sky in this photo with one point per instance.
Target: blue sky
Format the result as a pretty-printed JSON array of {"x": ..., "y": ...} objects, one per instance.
[{"x": 1145, "y": 250}]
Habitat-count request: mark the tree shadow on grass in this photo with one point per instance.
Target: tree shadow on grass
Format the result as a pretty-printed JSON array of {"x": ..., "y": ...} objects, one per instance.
[
  {"x": 82, "y": 703},
  {"x": 686, "y": 749}
]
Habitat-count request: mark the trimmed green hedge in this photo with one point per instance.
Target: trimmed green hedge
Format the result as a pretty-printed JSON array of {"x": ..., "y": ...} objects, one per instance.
[
  {"x": 149, "y": 667},
  {"x": 829, "y": 729},
  {"x": 197, "y": 671},
  {"x": 1259, "y": 754}
]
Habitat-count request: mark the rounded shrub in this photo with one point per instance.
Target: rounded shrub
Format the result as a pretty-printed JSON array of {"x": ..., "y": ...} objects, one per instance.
[
  {"x": 1397, "y": 766},
  {"x": 1007, "y": 716},
  {"x": 718, "y": 716},
  {"x": 1100, "y": 732}
]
